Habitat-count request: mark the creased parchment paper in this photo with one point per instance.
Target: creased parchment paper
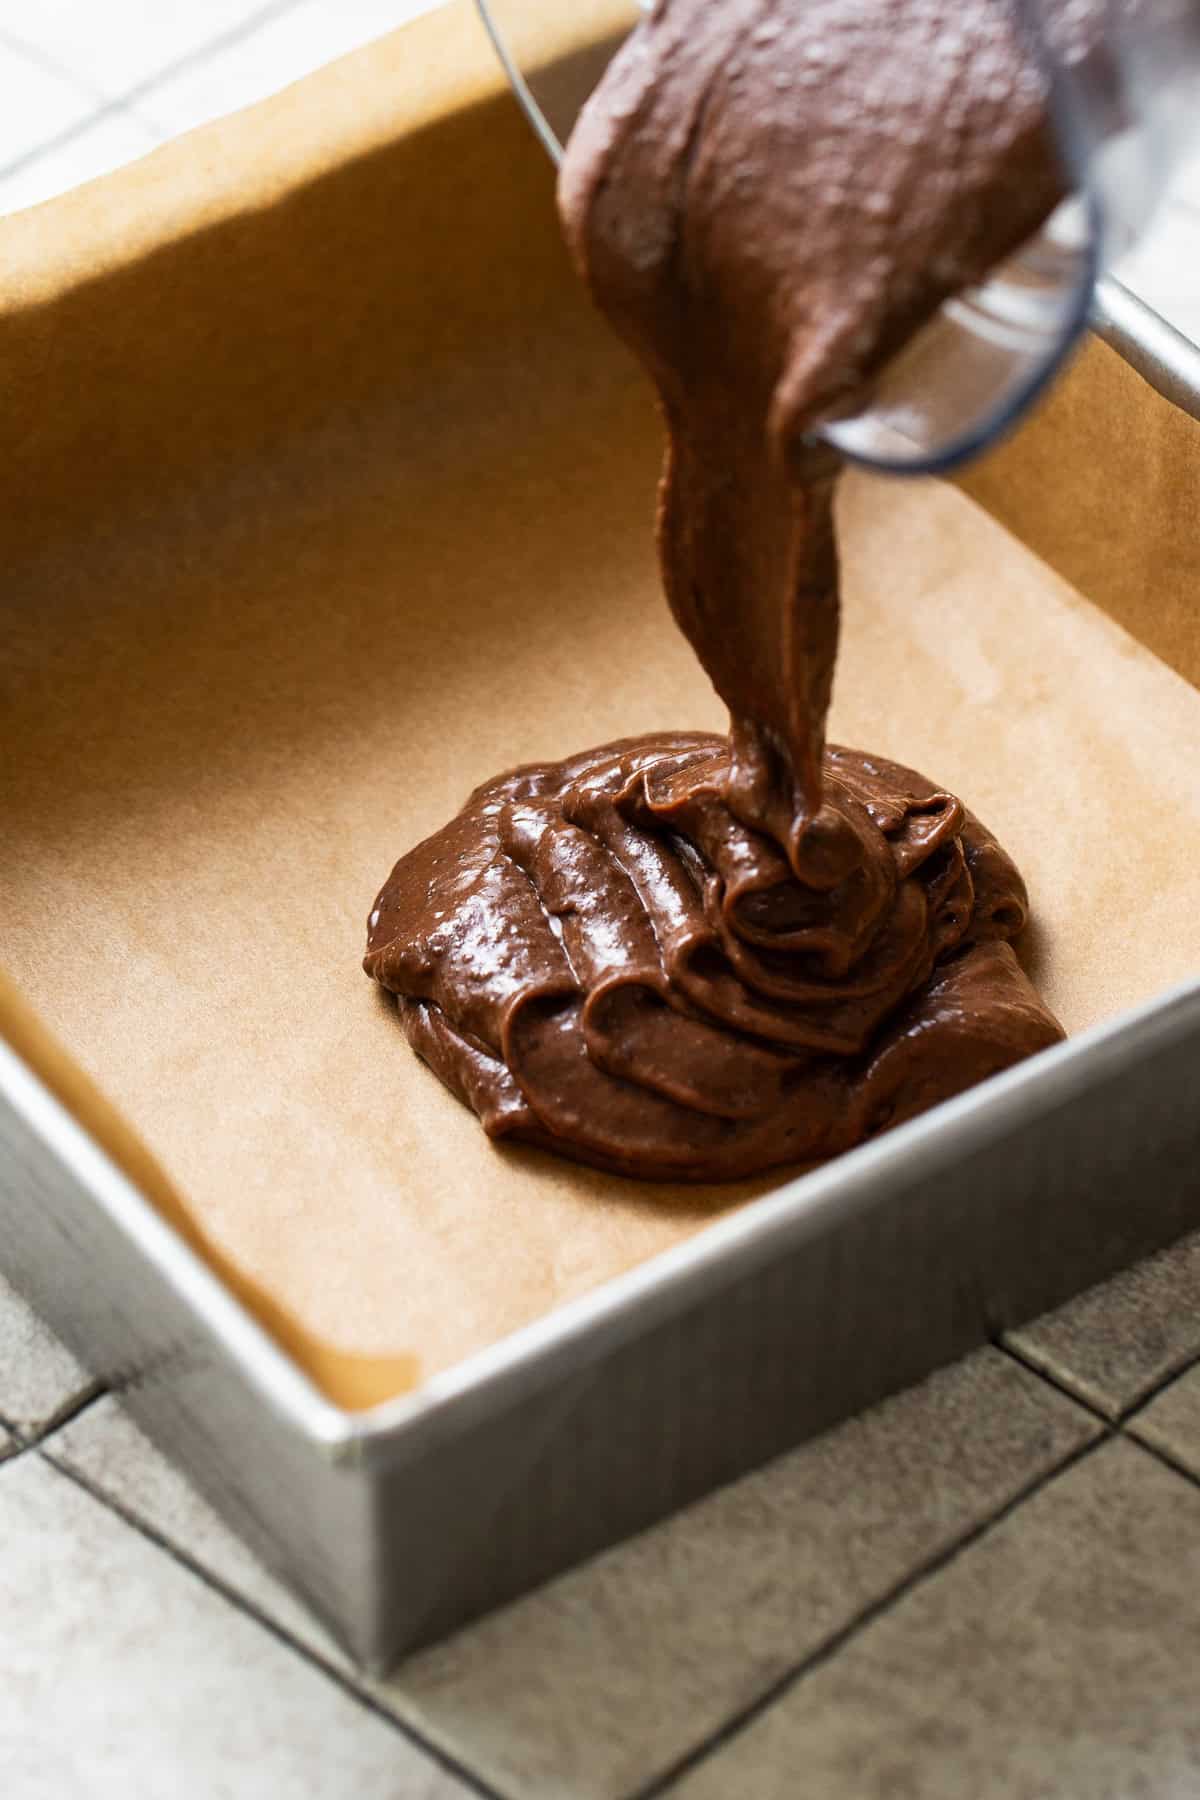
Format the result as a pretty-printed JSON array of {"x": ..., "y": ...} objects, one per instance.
[{"x": 230, "y": 702}]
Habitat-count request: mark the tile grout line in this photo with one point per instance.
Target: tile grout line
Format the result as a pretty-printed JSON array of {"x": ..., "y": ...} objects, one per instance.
[
  {"x": 125, "y": 102},
  {"x": 428, "y": 1746},
  {"x": 1125, "y": 1424},
  {"x": 1054, "y": 1382},
  {"x": 1117, "y": 1420},
  {"x": 50, "y": 65},
  {"x": 1167, "y": 1457},
  {"x": 1159, "y": 1387},
  {"x": 68, "y": 1412},
  {"x": 868, "y": 1615},
  {"x": 65, "y": 1414}
]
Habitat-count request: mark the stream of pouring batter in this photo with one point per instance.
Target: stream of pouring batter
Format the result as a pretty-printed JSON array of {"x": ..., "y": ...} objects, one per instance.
[{"x": 767, "y": 198}]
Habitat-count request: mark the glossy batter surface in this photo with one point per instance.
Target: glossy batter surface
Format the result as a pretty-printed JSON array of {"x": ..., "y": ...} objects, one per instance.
[{"x": 697, "y": 957}]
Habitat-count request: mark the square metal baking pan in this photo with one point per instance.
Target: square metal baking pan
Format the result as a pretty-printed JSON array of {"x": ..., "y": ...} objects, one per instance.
[{"x": 398, "y": 1524}]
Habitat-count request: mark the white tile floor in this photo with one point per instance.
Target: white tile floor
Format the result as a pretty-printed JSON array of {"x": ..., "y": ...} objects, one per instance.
[
  {"x": 591, "y": 1686},
  {"x": 86, "y": 85},
  {"x": 976, "y": 1584},
  {"x": 177, "y": 1721},
  {"x": 39, "y": 1380}
]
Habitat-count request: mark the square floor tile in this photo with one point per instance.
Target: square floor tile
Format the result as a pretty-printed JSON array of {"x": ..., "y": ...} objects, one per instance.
[
  {"x": 105, "y": 1448},
  {"x": 615, "y": 1669},
  {"x": 1186, "y": 184},
  {"x": 1114, "y": 1344},
  {"x": 1164, "y": 268},
  {"x": 281, "y": 50},
  {"x": 36, "y": 105},
  {"x": 1184, "y": 315},
  {"x": 354, "y": 22},
  {"x": 38, "y": 1377},
  {"x": 124, "y": 1674},
  {"x": 1171, "y": 1422},
  {"x": 111, "y": 141},
  {"x": 120, "y": 44},
  {"x": 1056, "y": 1659}
]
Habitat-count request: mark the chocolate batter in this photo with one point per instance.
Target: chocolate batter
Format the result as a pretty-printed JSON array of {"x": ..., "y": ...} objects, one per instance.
[{"x": 696, "y": 957}]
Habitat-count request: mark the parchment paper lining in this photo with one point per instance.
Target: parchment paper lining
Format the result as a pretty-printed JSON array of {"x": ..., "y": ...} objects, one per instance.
[{"x": 300, "y": 607}]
